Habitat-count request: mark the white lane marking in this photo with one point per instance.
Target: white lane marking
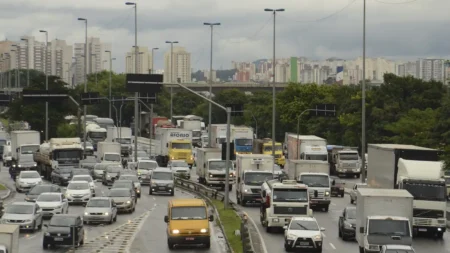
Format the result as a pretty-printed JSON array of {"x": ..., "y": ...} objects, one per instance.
[
  {"x": 259, "y": 234},
  {"x": 333, "y": 204},
  {"x": 30, "y": 237},
  {"x": 332, "y": 246},
  {"x": 324, "y": 236}
]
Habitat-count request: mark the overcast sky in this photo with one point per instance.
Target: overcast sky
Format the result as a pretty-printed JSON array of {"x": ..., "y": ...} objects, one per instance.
[{"x": 398, "y": 29}]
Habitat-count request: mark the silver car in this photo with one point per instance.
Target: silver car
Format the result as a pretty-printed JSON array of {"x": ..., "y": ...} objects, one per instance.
[
  {"x": 135, "y": 180},
  {"x": 27, "y": 215},
  {"x": 123, "y": 197},
  {"x": 100, "y": 209},
  {"x": 26, "y": 180},
  {"x": 180, "y": 168},
  {"x": 99, "y": 169},
  {"x": 162, "y": 181},
  {"x": 144, "y": 170},
  {"x": 354, "y": 191},
  {"x": 52, "y": 203}
]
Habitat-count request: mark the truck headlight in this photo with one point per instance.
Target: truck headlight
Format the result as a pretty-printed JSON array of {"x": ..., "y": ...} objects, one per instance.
[
  {"x": 203, "y": 230},
  {"x": 318, "y": 238},
  {"x": 175, "y": 231},
  {"x": 210, "y": 175},
  {"x": 106, "y": 214},
  {"x": 86, "y": 213},
  {"x": 327, "y": 193},
  {"x": 347, "y": 225}
]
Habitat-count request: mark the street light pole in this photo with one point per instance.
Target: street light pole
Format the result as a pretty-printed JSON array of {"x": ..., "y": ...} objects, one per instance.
[
  {"x": 95, "y": 68},
  {"x": 110, "y": 80},
  {"x": 28, "y": 61},
  {"x": 68, "y": 72},
  {"x": 274, "y": 11},
  {"x": 85, "y": 80},
  {"x": 171, "y": 77},
  {"x": 153, "y": 53},
  {"x": 46, "y": 82},
  {"x": 16, "y": 83},
  {"x": 363, "y": 120},
  {"x": 210, "y": 82},
  {"x": 136, "y": 94}
]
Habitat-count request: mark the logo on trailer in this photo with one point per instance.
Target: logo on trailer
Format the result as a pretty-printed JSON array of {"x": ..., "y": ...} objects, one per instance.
[{"x": 180, "y": 135}]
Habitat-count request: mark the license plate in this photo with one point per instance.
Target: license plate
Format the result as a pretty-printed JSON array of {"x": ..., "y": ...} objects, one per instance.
[
  {"x": 58, "y": 239},
  {"x": 189, "y": 238},
  {"x": 162, "y": 188},
  {"x": 422, "y": 229},
  {"x": 304, "y": 243},
  {"x": 313, "y": 202},
  {"x": 77, "y": 200}
]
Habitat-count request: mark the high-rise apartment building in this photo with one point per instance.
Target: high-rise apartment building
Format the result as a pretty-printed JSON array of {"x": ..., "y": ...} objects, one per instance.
[
  {"x": 431, "y": 69},
  {"x": 143, "y": 61},
  {"x": 97, "y": 60},
  {"x": 181, "y": 67}
]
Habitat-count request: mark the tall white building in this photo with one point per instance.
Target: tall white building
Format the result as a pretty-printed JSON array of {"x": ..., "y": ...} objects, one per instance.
[
  {"x": 96, "y": 57},
  {"x": 143, "y": 61},
  {"x": 431, "y": 69},
  {"x": 181, "y": 65}
]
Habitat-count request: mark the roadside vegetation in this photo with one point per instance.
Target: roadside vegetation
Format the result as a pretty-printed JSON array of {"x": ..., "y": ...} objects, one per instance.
[{"x": 230, "y": 222}]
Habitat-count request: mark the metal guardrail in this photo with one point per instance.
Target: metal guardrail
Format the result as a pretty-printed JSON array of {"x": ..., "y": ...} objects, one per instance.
[{"x": 209, "y": 193}]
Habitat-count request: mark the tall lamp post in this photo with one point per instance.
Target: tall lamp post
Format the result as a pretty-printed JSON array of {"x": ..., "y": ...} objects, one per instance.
[
  {"x": 110, "y": 79},
  {"x": 28, "y": 61},
  {"x": 46, "y": 82},
  {"x": 274, "y": 11},
  {"x": 210, "y": 82},
  {"x": 136, "y": 94},
  {"x": 95, "y": 68},
  {"x": 171, "y": 76},
  {"x": 16, "y": 79},
  {"x": 85, "y": 78},
  {"x": 363, "y": 98},
  {"x": 153, "y": 65}
]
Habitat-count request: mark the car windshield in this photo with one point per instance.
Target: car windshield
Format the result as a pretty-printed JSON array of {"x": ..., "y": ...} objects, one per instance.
[
  {"x": 181, "y": 146},
  {"x": 113, "y": 170},
  {"x": 123, "y": 140},
  {"x": 29, "y": 149},
  {"x": 162, "y": 175},
  {"x": 316, "y": 180},
  {"x": 189, "y": 213},
  {"x": 351, "y": 213},
  {"x": 304, "y": 225},
  {"x": 348, "y": 156},
  {"x": 78, "y": 178},
  {"x": 38, "y": 189},
  {"x": 112, "y": 157},
  {"x": 180, "y": 164},
  {"x": 19, "y": 209},
  {"x": 78, "y": 186},
  {"x": 30, "y": 175},
  {"x": 243, "y": 142},
  {"x": 129, "y": 177},
  {"x": 65, "y": 171},
  {"x": 256, "y": 178},
  {"x": 49, "y": 198},
  {"x": 62, "y": 221},
  {"x": 290, "y": 195},
  {"x": 98, "y": 203},
  {"x": 119, "y": 193},
  {"x": 81, "y": 172},
  {"x": 147, "y": 165}
]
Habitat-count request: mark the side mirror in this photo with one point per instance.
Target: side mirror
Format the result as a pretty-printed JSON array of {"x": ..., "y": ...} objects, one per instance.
[
  {"x": 264, "y": 193},
  {"x": 46, "y": 225},
  {"x": 211, "y": 217},
  {"x": 285, "y": 227},
  {"x": 166, "y": 219},
  {"x": 322, "y": 229},
  {"x": 361, "y": 230},
  {"x": 239, "y": 180},
  {"x": 333, "y": 183},
  {"x": 114, "y": 205},
  {"x": 39, "y": 211}
]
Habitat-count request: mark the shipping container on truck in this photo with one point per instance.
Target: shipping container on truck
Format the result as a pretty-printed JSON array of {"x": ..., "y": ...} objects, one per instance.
[
  {"x": 23, "y": 145},
  {"x": 306, "y": 147},
  {"x": 219, "y": 134},
  {"x": 419, "y": 171},
  {"x": 109, "y": 152},
  {"x": 211, "y": 169}
]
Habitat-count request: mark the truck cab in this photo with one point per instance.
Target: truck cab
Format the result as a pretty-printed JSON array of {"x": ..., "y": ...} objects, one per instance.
[
  {"x": 211, "y": 169},
  {"x": 319, "y": 189},
  {"x": 111, "y": 157},
  {"x": 280, "y": 201},
  {"x": 242, "y": 137},
  {"x": 95, "y": 134},
  {"x": 344, "y": 161},
  {"x": 264, "y": 146}
]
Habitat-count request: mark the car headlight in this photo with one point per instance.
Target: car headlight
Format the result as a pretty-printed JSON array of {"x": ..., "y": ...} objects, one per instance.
[
  {"x": 35, "y": 165},
  {"x": 374, "y": 247},
  {"x": 154, "y": 183},
  {"x": 106, "y": 214},
  {"x": 67, "y": 194},
  {"x": 210, "y": 175},
  {"x": 291, "y": 237},
  {"x": 327, "y": 193},
  {"x": 347, "y": 225},
  {"x": 86, "y": 213},
  {"x": 27, "y": 198},
  {"x": 58, "y": 207},
  {"x": 203, "y": 230},
  {"x": 27, "y": 220},
  {"x": 20, "y": 165},
  {"x": 128, "y": 202},
  {"x": 108, "y": 176},
  {"x": 47, "y": 234},
  {"x": 175, "y": 231},
  {"x": 318, "y": 237},
  {"x": 246, "y": 190}
]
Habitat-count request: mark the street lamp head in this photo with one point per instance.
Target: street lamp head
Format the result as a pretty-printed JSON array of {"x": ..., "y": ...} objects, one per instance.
[
  {"x": 279, "y": 10},
  {"x": 43, "y": 31},
  {"x": 82, "y": 19},
  {"x": 155, "y": 48},
  {"x": 107, "y": 51},
  {"x": 268, "y": 9},
  {"x": 175, "y": 42},
  {"x": 23, "y": 39},
  {"x": 130, "y": 3}
]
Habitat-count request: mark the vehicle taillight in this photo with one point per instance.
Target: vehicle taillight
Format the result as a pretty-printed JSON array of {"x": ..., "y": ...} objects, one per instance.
[{"x": 267, "y": 200}]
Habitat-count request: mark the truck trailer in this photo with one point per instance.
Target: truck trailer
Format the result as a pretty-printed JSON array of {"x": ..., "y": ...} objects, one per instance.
[
  {"x": 23, "y": 145},
  {"x": 306, "y": 147},
  {"x": 109, "y": 152},
  {"x": 9, "y": 238},
  {"x": 242, "y": 137},
  {"x": 123, "y": 136},
  {"x": 417, "y": 170}
]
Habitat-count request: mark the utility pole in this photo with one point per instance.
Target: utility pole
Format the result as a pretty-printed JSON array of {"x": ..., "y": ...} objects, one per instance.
[
  {"x": 363, "y": 98},
  {"x": 110, "y": 80},
  {"x": 46, "y": 82},
  {"x": 171, "y": 77},
  {"x": 85, "y": 80},
  {"x": 210, "y": 82}
]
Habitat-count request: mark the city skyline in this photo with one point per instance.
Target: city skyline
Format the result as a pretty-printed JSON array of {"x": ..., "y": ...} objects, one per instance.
[{"x": 323, "y": 30}]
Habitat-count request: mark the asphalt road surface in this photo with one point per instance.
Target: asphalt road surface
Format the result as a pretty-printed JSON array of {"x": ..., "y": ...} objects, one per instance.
[{"x": 142, "y": 231}]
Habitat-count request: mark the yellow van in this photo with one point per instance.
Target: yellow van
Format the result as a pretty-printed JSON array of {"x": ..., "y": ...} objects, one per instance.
[{"x": 188, "y": 223}]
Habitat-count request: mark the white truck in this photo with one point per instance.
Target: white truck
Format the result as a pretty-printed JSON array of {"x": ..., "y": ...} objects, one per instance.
[
  {"x": 95, "y": 134},
  {"x": 9, "y": 238},
  {"x": 344, "y": 161},
  {"x": 123, "y": 136},
  {"x": 242, "y": 137},
  {"x": 383, "y": 217},
  {"x": 194, "y": 124},
  {"x": 315, "y": 175},
  {"x": 306, "y": 147},
  {"x": 252, "y": 170},
  {"x": 174, "y": 144},
  {"x": 58, "y": 152},
  {"x": 419, "y": 171},
  {"x": 109, "y": 152},
  {"x": 211, "y": 169},
  {"x": 219, "y": 134},
  {"x": 280, "y": 201},
  {"x": 23, "y": 145}
]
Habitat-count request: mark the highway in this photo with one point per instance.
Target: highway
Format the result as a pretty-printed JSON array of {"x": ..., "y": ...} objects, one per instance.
[{"x": 143, "y": 231}]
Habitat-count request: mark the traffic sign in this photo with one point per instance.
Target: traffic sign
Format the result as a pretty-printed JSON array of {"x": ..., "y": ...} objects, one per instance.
[
  {"x": 144, "y": 83},
  {"x": 90, "y": 98}
]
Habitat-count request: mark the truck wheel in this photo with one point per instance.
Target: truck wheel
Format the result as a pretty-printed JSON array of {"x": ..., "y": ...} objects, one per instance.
[
  {"x": 439, "y": 235},
  {"x": 238, "y": 200},
  {"x": 325, "y": 209},
  {"x": 230, "y": 187},
  {"x": 351, "y": 200}
]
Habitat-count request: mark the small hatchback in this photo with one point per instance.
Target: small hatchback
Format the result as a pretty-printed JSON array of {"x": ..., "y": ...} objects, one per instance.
[
  {"x": 162, "y": 182},
  {"x": 27, "y": 180}
]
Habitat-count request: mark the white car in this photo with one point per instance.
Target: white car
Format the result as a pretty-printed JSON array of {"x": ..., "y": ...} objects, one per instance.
[
  {"x": 78, "y": 192},
  {"x": 397, "y": 249},
  {"x": 86, "y": 178},
  {"x": 303, "y": 233},
  {"x": 27, "y": 179},
  {"x": 52, "y": 203},
  {"x": 180, "y": 168}
]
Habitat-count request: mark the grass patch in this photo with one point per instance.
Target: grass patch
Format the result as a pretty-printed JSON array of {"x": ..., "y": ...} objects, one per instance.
[
  {"x": 3, "y": 188},
  {"x": 5, "y": 122},
  {"x": 230, "y": 222}
]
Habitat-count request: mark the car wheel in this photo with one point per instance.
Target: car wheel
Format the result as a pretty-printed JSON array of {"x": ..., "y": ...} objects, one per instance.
[
  {"x": 339, "y": 233},
  {"x": 34, "y": 227},
  {"x": 111, "y": 220},
  {"x": 351, "y": 200},
  {"x": 170, "y": 245},
  {"x": 150, "y": 192},
  {"x": 115, "y": 218},
  {"x": 342, "y": 195}
]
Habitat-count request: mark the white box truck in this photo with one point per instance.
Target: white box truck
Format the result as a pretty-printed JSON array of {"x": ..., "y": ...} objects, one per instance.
[
  {"x": 306, "y": 147},
  {"x": 174, "y": 144},
  {"x": 211, "y": 169},
  {"x": 194, "y": 124},
  {"x": 23, "y": 145},
  {"x": 419, "y": 171},
  {"x": 252, "y": 170},
  {"x": 9, "y": 238},
  {"x": 109, "y": 152},
  {"x": 123, "y": 136},
  {"x": 219, "y": 134},
  {"x": 315, "y": 175},
  {"x": 383, "y": 216}
]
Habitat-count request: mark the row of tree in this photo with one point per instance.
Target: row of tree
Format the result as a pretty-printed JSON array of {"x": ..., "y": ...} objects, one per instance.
[{"x": 402, "y": 110}]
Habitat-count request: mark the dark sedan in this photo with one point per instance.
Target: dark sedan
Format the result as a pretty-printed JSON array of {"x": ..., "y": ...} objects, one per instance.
[
  {"x": 32, "y": 195},
  {"x": 337, "y": 187},
  {"x": 347, "y": 223}
]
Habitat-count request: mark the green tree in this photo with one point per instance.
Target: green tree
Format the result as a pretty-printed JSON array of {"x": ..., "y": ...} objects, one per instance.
[{"x": 66, "y": 130}]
